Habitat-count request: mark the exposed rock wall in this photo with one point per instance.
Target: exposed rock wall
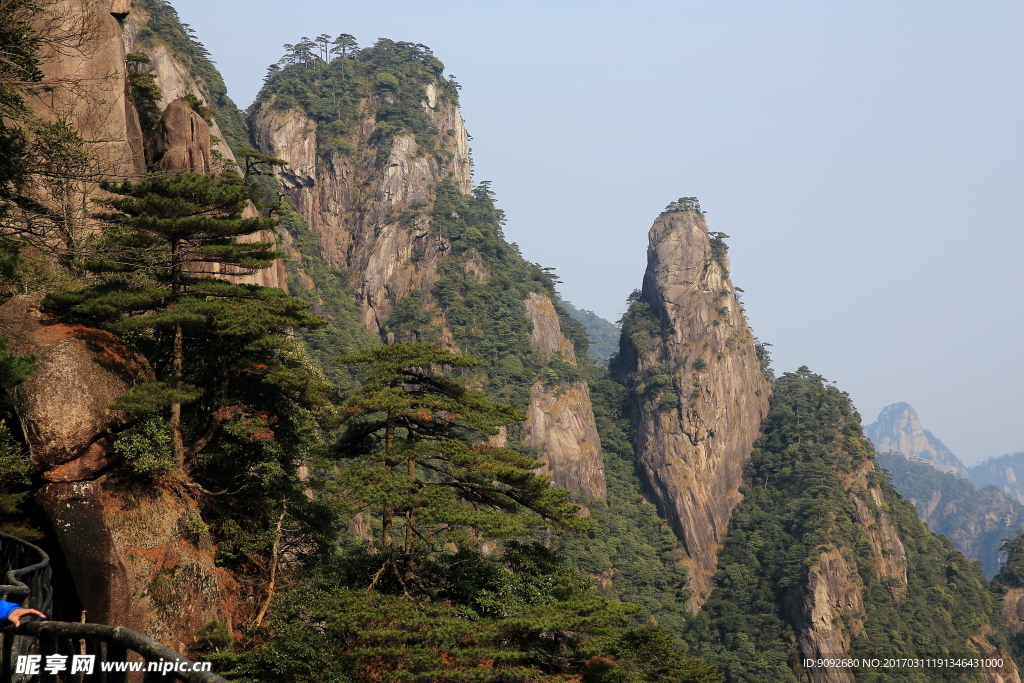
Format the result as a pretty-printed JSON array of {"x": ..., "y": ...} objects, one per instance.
[
  {"x": 830, "y": 616},
  {"x": 138, "y": 558},
  {"x": 1007, "y": 673},
  {"x": 692, "y": 454},
  {"x": 353, "y": 207},
  {"x": 171, "y": 76},
  {"x": 83, "y": 62},
  {"x": 181, "y": 143},
  {"x": 899, "y": 429},
  {"x": 560, "y": 420}
]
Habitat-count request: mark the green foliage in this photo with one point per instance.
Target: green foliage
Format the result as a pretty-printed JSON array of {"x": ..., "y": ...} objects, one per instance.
[
  {"x": 684, "y": 204},
  {"x": 329, "y": 85},
  {"x": 417, "y": 456},
  {"x": 520, "y": 617},
  {"x": 764, "y": 359},
  {"x": 15, "y": 485},
  {"x": 720, "y": 251},
  {"x": 164, "y": 27},
  {"x": 199, "y": 107},
  {"x": 488, "y": 316},
  {"x": 650, "y": 654},
  {"x": 1011, "y": 574},
  {"x": 14, "y": 369},
  {"x": 795, "y": 507},
  {"x": 977, "y": 520},
  {"x": 410, "y": 321},
  {"x": 19, "y": 67},
  {"x": 146, "y": 449},
  {"x": 244, "y": 405},
  {"x": 144, "y": 93},
  {"x": 15, "y": 463}
]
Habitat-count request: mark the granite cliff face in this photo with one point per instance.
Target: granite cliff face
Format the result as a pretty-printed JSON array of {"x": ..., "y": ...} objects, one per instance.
[
  {"x": 352, "y": 205},
  {"x": 560, "y": 420},
  {"x": 700, "y": 393},
  {"x": 833, "y": 612},
  {"x": 899, "y": 429}
]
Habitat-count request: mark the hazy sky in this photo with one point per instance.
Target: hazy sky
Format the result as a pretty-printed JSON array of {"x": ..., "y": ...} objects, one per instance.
[{"x": 865, "y": 157}]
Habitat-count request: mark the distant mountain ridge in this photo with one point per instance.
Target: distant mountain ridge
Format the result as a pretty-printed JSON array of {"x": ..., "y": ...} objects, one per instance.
[
  {"x": 976, "y": 507},
  {"x": 898, "y": 429},
  {"x": 1005, "y": 472}
]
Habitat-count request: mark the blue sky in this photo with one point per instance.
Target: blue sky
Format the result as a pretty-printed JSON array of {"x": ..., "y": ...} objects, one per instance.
[{"x": 865, "y": 158}]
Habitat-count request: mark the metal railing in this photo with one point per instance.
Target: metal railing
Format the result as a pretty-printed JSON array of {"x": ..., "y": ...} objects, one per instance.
[{"x": 26, "y": 569}]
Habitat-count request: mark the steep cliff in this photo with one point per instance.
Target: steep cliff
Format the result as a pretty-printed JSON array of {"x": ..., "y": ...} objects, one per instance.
[
  {"x": 560, "y": 420},
  {"x": 378, "y": 173},
  {"x": 899, "y": 429},
  {"x": 699, "y": 393}
]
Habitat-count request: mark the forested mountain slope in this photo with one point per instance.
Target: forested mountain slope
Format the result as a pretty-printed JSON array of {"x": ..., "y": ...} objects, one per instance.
[
  {"x": 977, "y": 520},
  {"x": 280, "y": 459},
  {"x": 824, "y": 559},
  {"x": 378, "y": 173}
]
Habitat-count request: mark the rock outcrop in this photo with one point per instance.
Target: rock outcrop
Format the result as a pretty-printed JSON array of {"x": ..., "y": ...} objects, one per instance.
[
  {"x": 83, "y": 62},
  {"x": 353, "y": 208},
  {"x": 181, "y": 143},
  {"x": 831, "y": 615},
  {"x": 899, "y": 429},
  {"x": 560, "y": 420},
  {"x": 140, "y": 558},
  {"x": 700, "y": 391}
]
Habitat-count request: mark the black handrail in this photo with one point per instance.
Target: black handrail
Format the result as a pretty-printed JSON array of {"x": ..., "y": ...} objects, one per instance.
[
  {"x": 27, "y": 574},
  {"x": 29, "y": 585}
]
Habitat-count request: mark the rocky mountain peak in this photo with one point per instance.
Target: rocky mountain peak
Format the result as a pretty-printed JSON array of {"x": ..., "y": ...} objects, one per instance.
[
  {"x": 899, "y": 429},
  {"x": 699, "y": 393}
]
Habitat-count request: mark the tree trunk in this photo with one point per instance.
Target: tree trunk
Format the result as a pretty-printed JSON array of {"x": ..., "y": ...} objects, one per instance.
[
  {"x": 387, "y": 517},
  {"x": 410, "y": 516},
  {"x": 273, "y": 566},
  {"x": 178, "y": 357},
  {"x": 177, "y": 443}
]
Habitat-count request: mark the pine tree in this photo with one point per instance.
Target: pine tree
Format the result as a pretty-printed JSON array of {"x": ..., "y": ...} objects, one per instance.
[
  {"x": 167, "y": 240},
  {"x": 417, "y": 452}
]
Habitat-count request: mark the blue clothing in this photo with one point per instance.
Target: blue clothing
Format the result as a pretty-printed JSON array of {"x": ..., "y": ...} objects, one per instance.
[{"x": 7, "y": 607}]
